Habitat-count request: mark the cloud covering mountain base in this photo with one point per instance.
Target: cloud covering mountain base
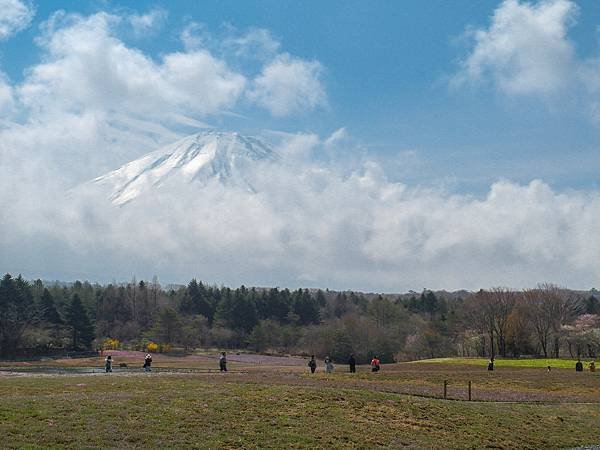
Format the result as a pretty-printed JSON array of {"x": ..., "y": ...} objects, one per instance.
[{"x": 311, "y": 224}]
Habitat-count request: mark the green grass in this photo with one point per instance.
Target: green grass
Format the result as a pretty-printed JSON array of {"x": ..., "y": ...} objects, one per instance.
[
  {"x": 279, "y": 409},
  {"x": 499, "y": 362}
]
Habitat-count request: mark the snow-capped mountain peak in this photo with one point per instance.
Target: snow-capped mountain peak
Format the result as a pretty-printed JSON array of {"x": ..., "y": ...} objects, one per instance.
[{"x": 200, "y": 158}]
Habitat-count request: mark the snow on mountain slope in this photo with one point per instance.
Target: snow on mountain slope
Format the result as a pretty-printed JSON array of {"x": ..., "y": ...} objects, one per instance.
[{"x": 201, "y": 157}]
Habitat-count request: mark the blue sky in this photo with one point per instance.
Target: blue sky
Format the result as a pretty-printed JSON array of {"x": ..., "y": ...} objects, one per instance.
[
  {"x": 424, "y": 144},
  {"x": 386, "y": 67}
]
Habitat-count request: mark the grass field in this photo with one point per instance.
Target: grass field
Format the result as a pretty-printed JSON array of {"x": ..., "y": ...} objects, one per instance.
[
  {"x": 276, "y": 405},
  {"x": 499, "y": 362}
]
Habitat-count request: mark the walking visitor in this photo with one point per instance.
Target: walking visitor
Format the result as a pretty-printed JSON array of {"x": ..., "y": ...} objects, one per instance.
[
  {"x": 223, "y": 362},
  {"x": 147, "y": 363},
  {"x": 328, "y": 364},
  {"x": 375, "y": 364},
  {"x": 352, "y": 363},
  {"x": 312, "y": 363},
  {"x": 108, "y": 364}
]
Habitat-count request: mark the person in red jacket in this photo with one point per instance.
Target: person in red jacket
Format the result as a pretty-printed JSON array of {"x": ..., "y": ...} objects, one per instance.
[{"x": 375, "y": 364}]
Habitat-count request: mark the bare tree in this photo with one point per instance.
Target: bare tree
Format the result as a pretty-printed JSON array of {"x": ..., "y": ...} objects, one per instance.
[
  {"x": 481, "y": 316},
  {"x": 489, "y": 312},
  {"x": 501, "y": 304},
  {"x": 155, "y": 288},
  {"x": 547, "y": 309},
  {"x": 537, "y": 314},
  {"x": 134, "y": 287},
  {"x": 563, "y": 308}
]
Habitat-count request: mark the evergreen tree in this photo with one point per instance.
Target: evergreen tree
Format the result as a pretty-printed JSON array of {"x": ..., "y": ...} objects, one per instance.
[
  {"x": 17, "y": 312},
  {"x": 342, "y": 346},
  {"x": 195, "y": 301},
  {"x": 168, "y": 326},
  {"x": 81, "y": 327},
  {"x": 48, "y": 311},
  {"x": 592, "y": 305},
  {"x": 278, "y": 305},
  {"x": 306, "y": 307},
  {"x": 430, "y": 304}
]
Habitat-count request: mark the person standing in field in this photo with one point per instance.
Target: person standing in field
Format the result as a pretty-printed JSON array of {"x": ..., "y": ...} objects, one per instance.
[
  {"x": 108, "y": 364},
  {"x": 223, "y": 362},
  {"x": 352, "y": 363},
  {"x": 579, "y": 366},
  {"x": 592, "y": 366},
  {"x": 147, "y": 363},
  {"x": 328, "y": 364},
  {"x": 312, "y": 363},
  {"x": 375, "y": 364},
  {"x": 491, "y": 364}
]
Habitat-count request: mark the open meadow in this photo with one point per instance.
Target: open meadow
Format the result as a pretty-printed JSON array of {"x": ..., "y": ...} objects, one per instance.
[{"x": 270, "y": 402}]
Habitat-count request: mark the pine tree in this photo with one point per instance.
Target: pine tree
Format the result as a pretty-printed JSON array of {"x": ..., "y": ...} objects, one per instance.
[
  {"x": 592, "y": 305},
  {"x": 48, "y": 310},
  {"x": 17, "y": 312},
  {"x": 306, "y": 307},
  {"x": 80, "y": 324}
]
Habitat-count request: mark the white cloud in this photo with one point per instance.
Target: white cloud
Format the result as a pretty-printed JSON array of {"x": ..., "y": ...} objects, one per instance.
[
  {"x": 337, "y": 137},
  {"x": 15, "y": 15},
  {"x": 288, "y": 85},
  {"x": 6, "y": 95},
  {"x": 88, "y": 68},
  {"x": 195, "y": 36},
  {"x": 143, "y": 24},
  {"x": 525, "y": 50},
  {"x": 256, "y": 43},
  {"x": 312, "y": 224}
]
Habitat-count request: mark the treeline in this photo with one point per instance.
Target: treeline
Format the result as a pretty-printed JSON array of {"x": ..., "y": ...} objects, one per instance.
[{"x": 36, "y": 318}]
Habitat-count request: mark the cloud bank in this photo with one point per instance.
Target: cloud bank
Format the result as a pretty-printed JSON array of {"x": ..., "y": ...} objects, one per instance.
[{"x": 95, "y": 102}]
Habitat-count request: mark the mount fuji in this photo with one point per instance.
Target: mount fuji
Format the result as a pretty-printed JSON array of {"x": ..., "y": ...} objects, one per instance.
[{"x": 198, "y": 158}]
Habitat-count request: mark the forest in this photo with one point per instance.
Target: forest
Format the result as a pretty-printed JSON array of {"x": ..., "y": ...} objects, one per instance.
[{"x": 52, "y": 318}]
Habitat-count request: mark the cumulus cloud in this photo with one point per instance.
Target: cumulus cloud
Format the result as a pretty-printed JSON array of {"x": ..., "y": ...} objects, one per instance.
[
  {"x": 87, "y": 67},
  {"x": 312, "y": 224},
  {"x": 287, "y": 85},
  {"x": 525, "y": 50},
  {"x": 15, "y": 15}
]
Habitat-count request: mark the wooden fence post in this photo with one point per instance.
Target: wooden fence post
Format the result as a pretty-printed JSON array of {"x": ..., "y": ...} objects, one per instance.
[
  {"x": 445, "y": 388},
  {"x": 469, "y": 390}
]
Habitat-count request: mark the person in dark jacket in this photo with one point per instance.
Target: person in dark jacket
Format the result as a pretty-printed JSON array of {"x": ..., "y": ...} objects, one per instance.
[
  {"x": 108, "y": 364},
  {"x": 312, "y": 363},
  {"x": 223, "y": 362},
  {"x": 491, "y": 364},
  {"x": 147, "y": 363},
  {"x": 352, "y": 363},
  {"x": 579, "y": 366}
]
